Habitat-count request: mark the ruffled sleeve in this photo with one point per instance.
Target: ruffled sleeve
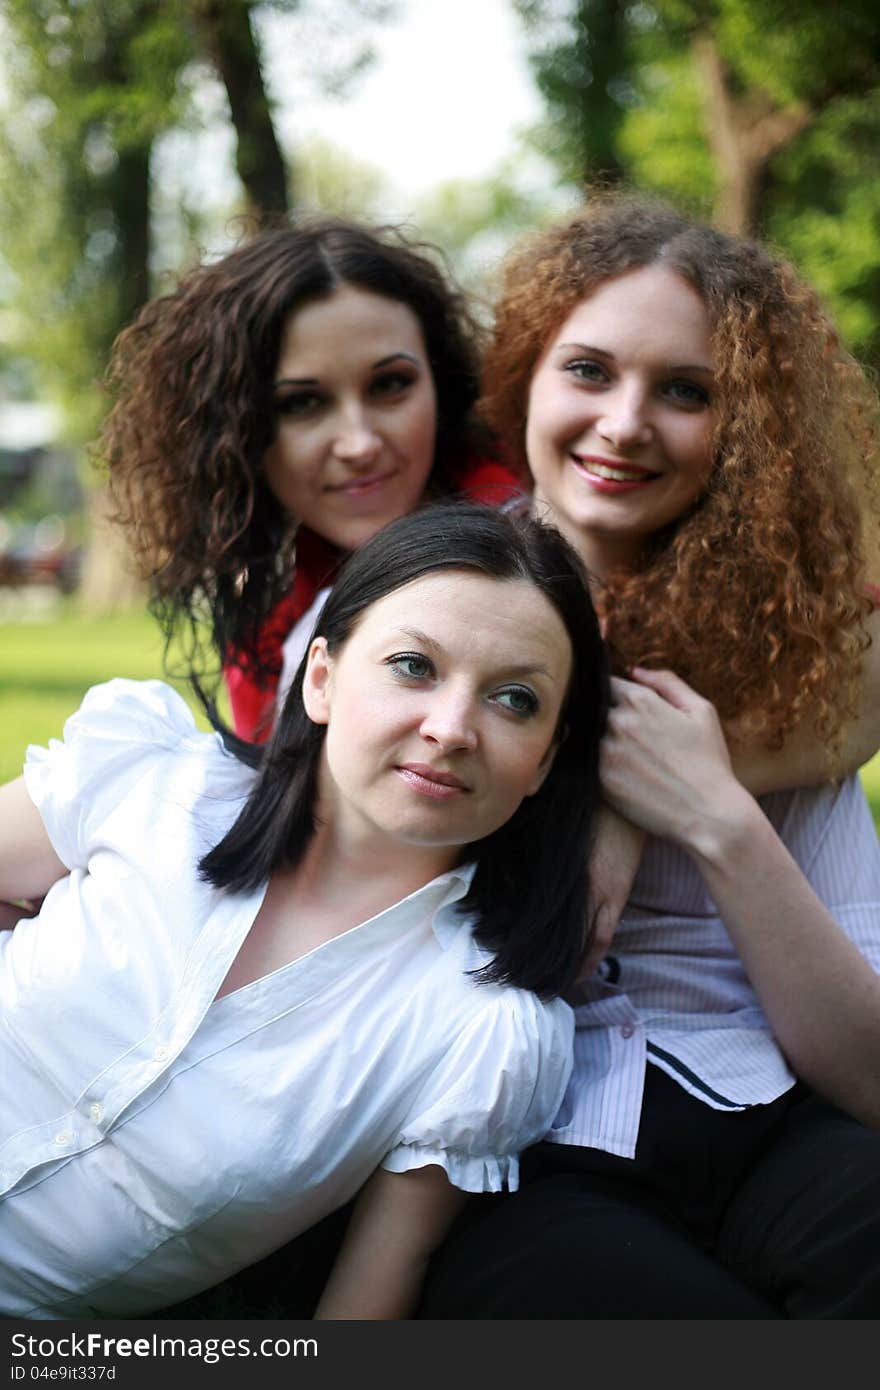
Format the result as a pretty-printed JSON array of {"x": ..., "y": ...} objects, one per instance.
[
  {"x": 115, "y": 737},
  {"x": 496, "y": 1091}
]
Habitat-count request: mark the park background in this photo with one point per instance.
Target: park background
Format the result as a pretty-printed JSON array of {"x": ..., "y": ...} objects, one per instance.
[{"x": 134, "y": 134}]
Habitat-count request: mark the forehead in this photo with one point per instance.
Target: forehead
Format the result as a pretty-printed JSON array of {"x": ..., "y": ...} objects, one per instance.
[
  {"x": 651, "y": 309},
  {"x": 352, "y": 315},
  {"x": 493, "y": 620}
]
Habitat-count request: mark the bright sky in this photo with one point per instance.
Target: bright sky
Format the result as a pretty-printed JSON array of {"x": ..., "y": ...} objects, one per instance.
[{"x": 450, "y": 88}]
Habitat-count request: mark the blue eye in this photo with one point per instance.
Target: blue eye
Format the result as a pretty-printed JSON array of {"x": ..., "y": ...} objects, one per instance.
[
  {"x": 411, "y": 666},
  {"x": 518, "y": 699}
]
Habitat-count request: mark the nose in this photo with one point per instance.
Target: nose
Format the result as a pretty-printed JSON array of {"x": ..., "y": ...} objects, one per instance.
[
  {"x": 450, "y": 721},
  {"x": 357, "y": 442},
  {"x": 624, "y": 423}
]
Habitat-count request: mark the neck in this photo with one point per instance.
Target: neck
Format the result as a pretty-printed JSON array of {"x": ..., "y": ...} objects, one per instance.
[{"x": 341, "y": 868}]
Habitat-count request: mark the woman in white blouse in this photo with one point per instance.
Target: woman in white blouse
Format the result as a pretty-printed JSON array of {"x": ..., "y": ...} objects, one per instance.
[
  {"x": 697, "y": 431},
  {"x": 246, "y": 993}
]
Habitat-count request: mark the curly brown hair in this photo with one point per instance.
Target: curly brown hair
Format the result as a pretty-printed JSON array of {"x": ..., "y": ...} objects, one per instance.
[
  {"x": 757, "y": 596},
  {"x": 193, "y": 414}
]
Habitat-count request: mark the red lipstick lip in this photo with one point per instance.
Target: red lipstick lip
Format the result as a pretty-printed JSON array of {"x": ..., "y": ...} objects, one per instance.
[{"x": 430, "y": 780}]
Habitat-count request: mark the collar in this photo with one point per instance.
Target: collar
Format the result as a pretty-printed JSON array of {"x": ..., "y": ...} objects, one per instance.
[{"x": 452, "y": 886}]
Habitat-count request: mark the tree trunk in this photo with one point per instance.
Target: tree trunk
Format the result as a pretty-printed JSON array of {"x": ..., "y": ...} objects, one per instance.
[
  {"x": 108, "y": 583},
  {"x": 602, "y": 114},
  {"x": 225, "y": 31},
  {"x": 131, "y": 203},
  {"x": 744, "y": 134}
]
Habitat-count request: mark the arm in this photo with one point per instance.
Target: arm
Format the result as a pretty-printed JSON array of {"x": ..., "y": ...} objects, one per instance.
[
  {"x": 802, "y": 760},
  {"x": 666, "y": 766},
  {"x": 28, "y": 863},
  {"x": 398, "y": 1221}
]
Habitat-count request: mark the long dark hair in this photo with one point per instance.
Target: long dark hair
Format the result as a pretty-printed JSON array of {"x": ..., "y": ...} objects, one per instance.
[{"x": 530, "y": 892}]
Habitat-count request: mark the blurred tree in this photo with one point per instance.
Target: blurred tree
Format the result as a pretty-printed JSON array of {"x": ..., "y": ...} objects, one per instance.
[
  {"x": 224, "y": 31},
  {"x": 93, "y": 86},
  {"x": 582, "y": 60}
]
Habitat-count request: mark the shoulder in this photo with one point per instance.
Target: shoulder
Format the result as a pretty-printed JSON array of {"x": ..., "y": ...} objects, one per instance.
[
  {"x": 147, "y": 711},
  {"x": 122, "y": 730}
]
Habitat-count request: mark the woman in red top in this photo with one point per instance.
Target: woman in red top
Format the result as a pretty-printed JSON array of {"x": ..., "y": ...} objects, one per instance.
[{"x": 274, "y": 412}]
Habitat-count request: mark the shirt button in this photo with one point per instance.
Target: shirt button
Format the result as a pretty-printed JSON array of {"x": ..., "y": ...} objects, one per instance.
[
  {"x": 96, "y": 1112},
  {"x": 627, "y": 1030},
  {"x": 160, "y": 1054},
  {"x": 65, "y": 1137}
]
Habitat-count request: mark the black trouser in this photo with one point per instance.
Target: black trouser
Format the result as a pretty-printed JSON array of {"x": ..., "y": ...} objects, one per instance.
[{"x": 772, "y": 1212}]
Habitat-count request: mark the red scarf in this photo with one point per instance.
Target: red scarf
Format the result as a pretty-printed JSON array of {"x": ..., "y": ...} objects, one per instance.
[{"x": 253, "y": 699}]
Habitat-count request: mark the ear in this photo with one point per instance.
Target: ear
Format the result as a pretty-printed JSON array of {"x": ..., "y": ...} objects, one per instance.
[
  {"x": 544, "y": 767},
  {"x": 317, "y": 682}
]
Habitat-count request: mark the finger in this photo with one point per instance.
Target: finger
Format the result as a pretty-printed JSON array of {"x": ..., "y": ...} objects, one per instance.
[
  {"x": 668, "y": 685},
  {"x": 624, "y": 692}
]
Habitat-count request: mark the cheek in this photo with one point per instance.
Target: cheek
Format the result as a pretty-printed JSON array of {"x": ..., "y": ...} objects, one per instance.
[
  {"x": 553, "y": 416},
  {"x": 286, "y": 463},
  {"x": 696, "y": 456},
  {"x": 416, "y": 432},
  {"x": 522, "y": 765}
]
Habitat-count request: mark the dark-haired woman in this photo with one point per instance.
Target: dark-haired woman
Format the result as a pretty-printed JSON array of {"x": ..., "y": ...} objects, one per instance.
[
  {"x": 695, "y": 428},
  {"x": 249, "y": 995},
  {"x": 273, "y": 413}
]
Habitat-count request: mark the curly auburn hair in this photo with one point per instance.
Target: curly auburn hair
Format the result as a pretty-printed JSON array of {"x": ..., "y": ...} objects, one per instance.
[
  {"x": 756, "y": 596},
  {"x": 193, "y": 415}
]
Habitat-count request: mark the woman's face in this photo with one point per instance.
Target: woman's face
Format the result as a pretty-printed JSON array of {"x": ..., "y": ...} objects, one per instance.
[
  {"x": 441, "y": 711},
  {"x": 620, "y": 415},
  {"x": 356, "y": 414}
]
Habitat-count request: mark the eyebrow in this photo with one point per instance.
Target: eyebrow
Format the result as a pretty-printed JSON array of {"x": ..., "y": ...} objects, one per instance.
[
  {"x": 525, "y": 668},
  {"x": 374, "y": 367},
  {"x": 603, "y": 352}
]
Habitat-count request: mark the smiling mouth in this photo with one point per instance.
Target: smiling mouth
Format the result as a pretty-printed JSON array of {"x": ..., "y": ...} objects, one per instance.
[
  {"x": 362, "y": 486},
  {"x": 429, "y": 781},
  {"x": 619, "y": 476}
]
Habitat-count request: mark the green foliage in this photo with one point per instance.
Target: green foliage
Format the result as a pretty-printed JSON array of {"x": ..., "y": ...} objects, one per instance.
[
  {"x": 329, "y": 180},
  {"x": 824, "y": 212},
  {"x": 474, "y": 220},
  {"x": 661, "y": 141}
]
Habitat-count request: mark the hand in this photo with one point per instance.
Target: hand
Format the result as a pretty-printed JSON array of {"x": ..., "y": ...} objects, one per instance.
[
  {"x": 614, "y": 862},
  {"x": 664, "y": 759}
]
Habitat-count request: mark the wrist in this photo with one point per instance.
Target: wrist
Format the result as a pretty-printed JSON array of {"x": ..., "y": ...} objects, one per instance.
[{"x": 719, "y": 833}]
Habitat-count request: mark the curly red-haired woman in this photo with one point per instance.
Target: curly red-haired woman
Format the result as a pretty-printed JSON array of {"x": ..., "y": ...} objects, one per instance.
[{"x": 695, "y": 428}]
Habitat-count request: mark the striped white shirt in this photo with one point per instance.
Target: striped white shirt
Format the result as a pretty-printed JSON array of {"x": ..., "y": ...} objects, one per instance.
[{"x": 673, "y": 990}]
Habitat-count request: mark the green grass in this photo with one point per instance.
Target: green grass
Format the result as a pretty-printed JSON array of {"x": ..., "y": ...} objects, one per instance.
[{"x": 47, "y": 665}]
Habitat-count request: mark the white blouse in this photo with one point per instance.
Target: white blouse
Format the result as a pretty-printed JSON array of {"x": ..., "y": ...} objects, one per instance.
[{"x": 154, "y": 1139}]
